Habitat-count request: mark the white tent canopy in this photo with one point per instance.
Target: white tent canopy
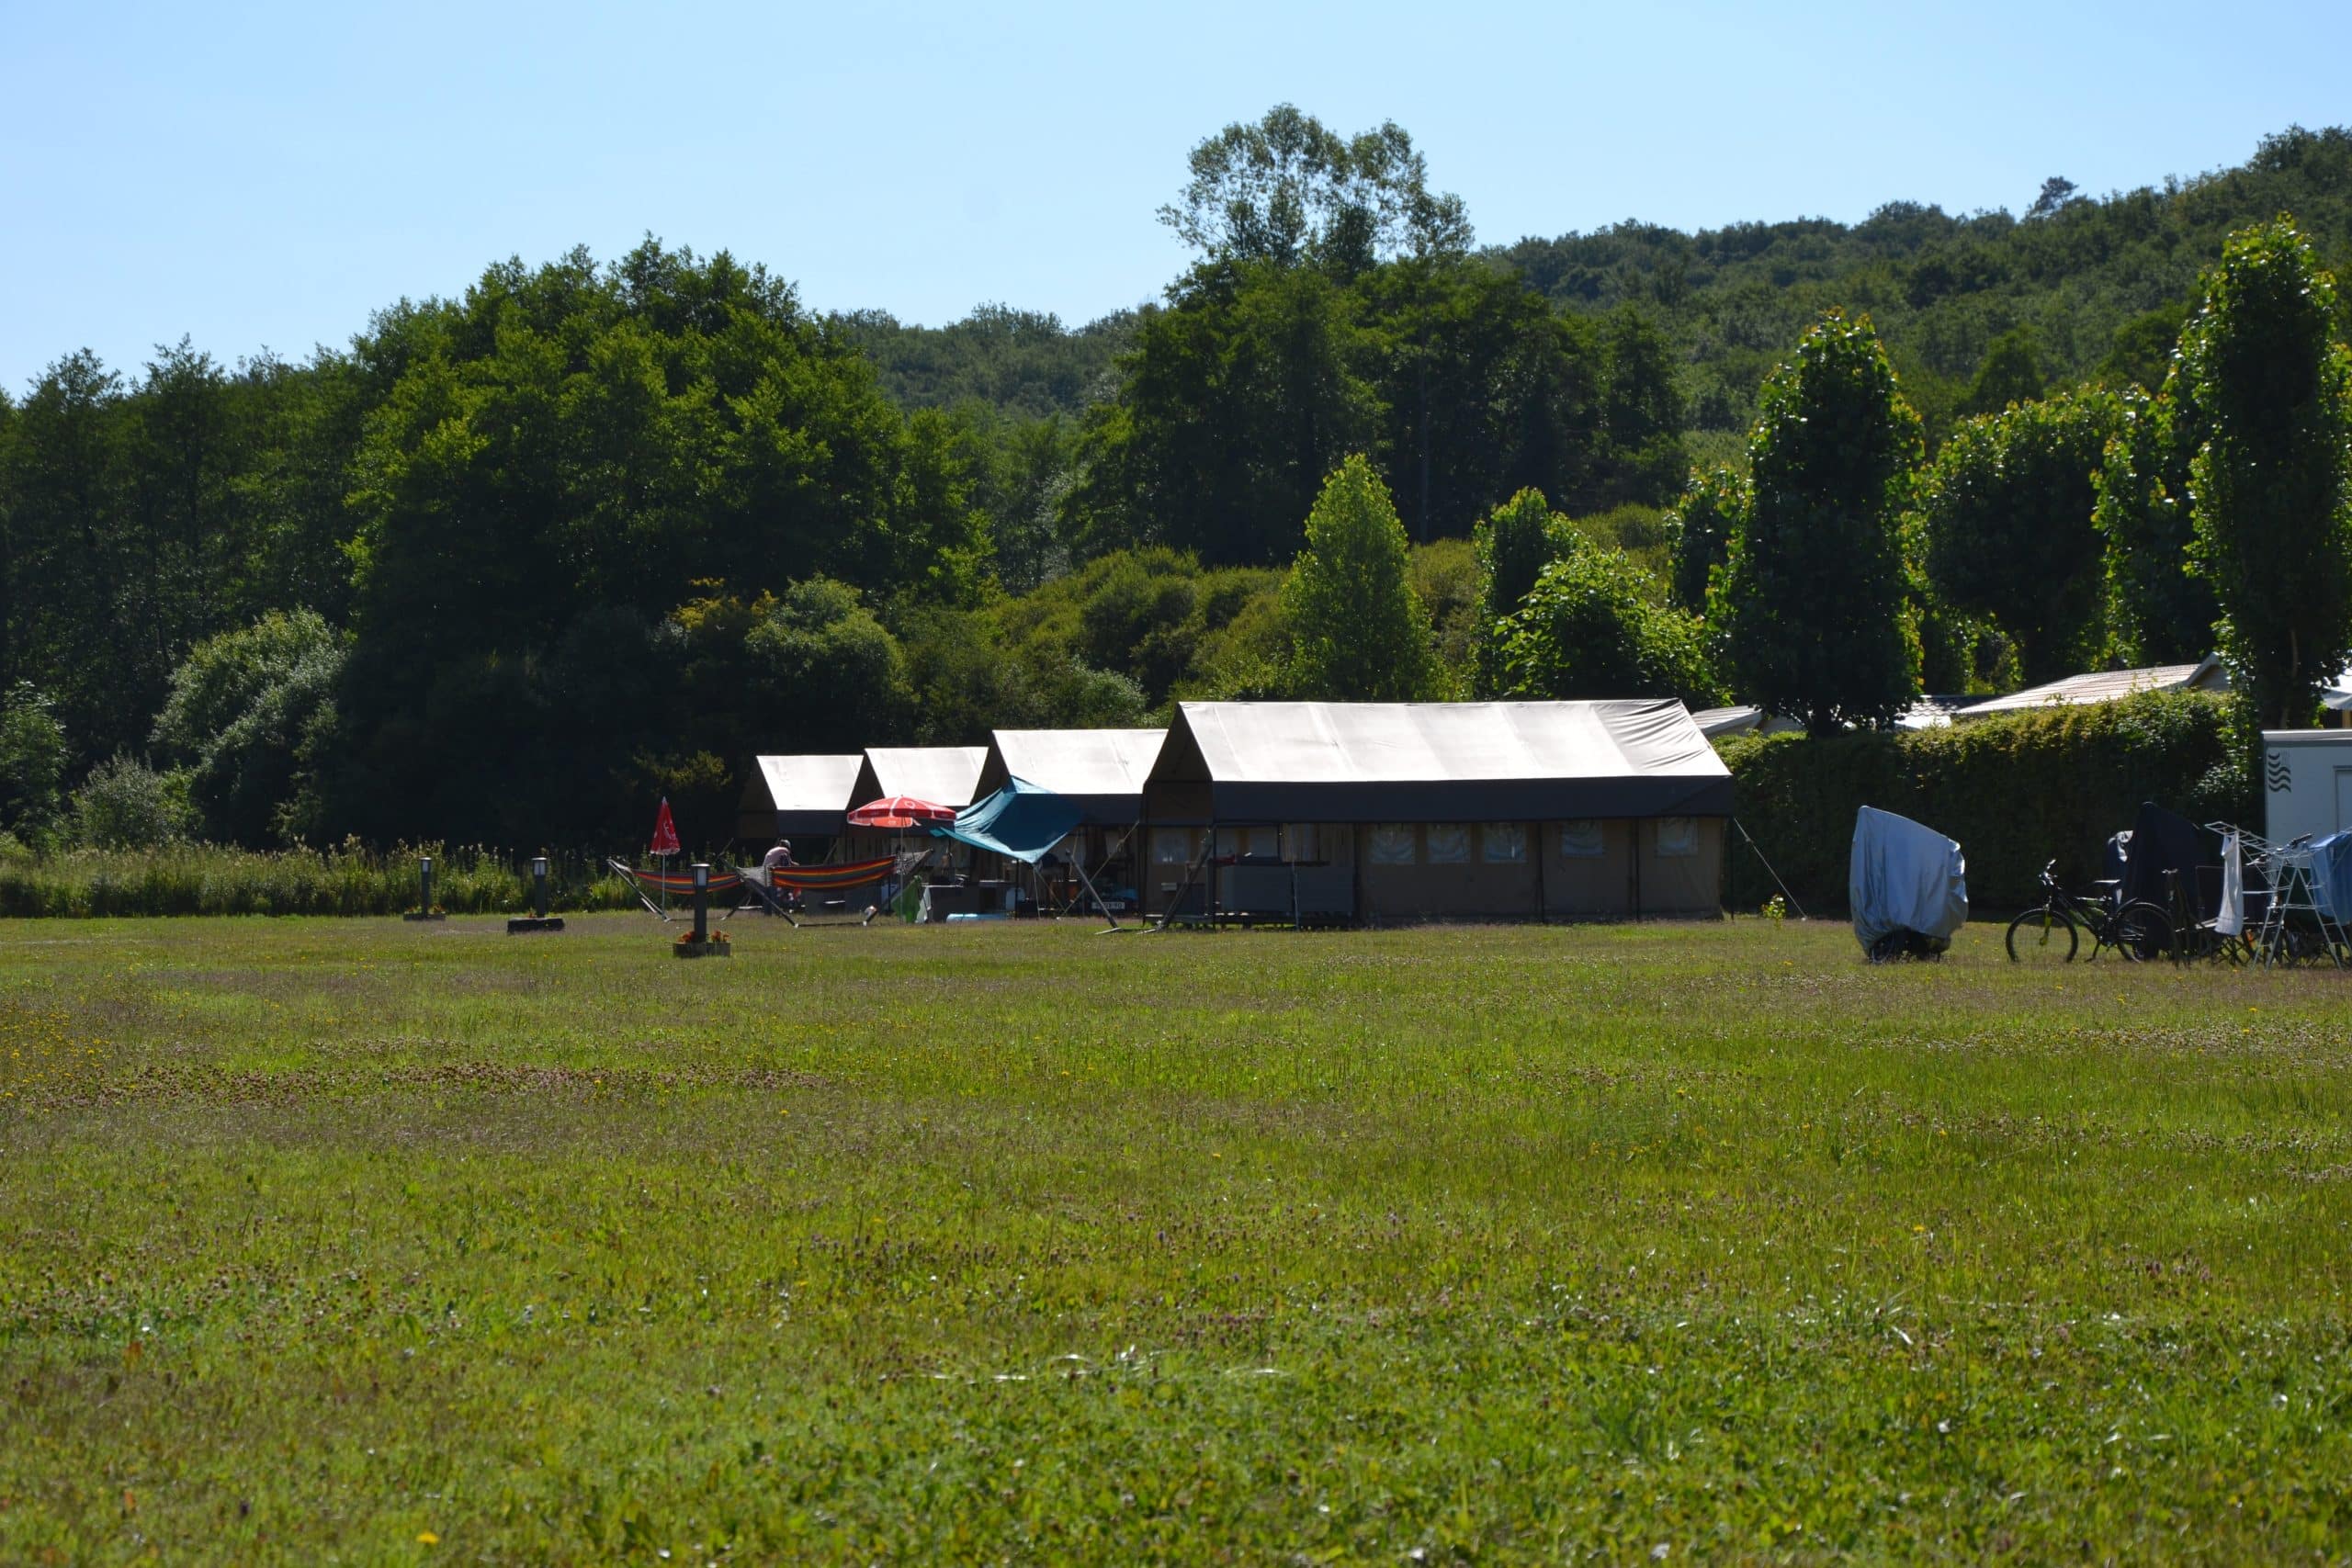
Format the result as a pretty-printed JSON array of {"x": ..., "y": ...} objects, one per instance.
[{"x": 1436, "y": 761}]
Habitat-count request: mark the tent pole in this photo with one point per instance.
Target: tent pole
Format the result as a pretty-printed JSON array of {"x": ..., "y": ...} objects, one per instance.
[
  {"x": 1767, "y": 869},
  {"x": 1543, "y": 897},
  {"x": 1100, "y": 902},
  {"x": 1292, "y": 857}
]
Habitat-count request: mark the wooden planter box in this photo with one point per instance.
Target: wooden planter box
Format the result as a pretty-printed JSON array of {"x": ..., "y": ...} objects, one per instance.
[{"x": 711, "y": 949}]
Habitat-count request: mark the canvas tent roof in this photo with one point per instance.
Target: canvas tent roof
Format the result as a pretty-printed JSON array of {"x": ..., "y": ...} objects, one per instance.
[
  {"x": 2106, "y": 686},
  {"x": 1100, "y": 772},
  {"x": 944, "y": 775},
  {"x": 808, "y": 794},
  {"x": 1435, "y": 762}
]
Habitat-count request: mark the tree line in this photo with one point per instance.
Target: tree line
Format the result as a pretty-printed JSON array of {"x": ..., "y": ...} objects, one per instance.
[{"x": 513, "y": 563}]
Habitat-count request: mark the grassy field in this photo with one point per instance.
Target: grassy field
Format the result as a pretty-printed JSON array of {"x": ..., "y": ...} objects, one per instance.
[{"x": 354, "y": 1241}]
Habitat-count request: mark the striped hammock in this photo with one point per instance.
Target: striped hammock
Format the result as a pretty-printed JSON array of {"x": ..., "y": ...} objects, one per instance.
[
  {"x": 679, "y": 884},
  {"x": 831, "y": 878}
]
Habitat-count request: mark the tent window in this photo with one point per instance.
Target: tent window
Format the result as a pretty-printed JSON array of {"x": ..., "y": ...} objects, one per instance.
[
  {"x": 1299, "y": 841},
  {"x": 1448, "y": 843},
  {"x": 1392, "y": 844},
  {"x": 1677, "y": 836},
  {"x": 1503, "y": 843},
  {"x": 1580, "y": 840},
  {"x": 1171, "y": 846},
  {"x": 1263, "y": 841}
]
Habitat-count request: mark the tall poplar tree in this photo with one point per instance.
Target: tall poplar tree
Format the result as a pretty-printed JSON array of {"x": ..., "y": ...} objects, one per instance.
[
  {"x": 1812, "y": 599},
  {"x": 2272, "y": 486},
  {"x": 2007, "y": 507},
  {"x": 2159, "y": 609},
  {"x": 1359, "y": 633}
]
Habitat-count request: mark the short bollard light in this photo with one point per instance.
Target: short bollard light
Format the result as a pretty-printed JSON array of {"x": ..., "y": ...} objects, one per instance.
[
  {"x": 701, "y": 943},
  {"x": 537, "y": 920},
  {"x": 425, "y": 909}
]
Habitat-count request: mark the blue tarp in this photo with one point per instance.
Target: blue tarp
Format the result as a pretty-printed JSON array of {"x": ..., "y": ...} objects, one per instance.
[
  {"x": 1021, "y": 820},
  {"x": 2332, "y": 874},
  {"x": 1904, "y": 877}
]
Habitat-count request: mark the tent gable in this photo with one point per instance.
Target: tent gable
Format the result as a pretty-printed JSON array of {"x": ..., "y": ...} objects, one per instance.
[{"x": 944, "y": 775}]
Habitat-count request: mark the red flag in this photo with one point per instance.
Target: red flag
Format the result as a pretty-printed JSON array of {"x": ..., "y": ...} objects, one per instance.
[{"x": 665, "y": 832}]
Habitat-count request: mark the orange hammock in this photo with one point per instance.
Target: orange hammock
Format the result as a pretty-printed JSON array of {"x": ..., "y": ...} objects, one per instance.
[
  {"x": 768, "y": 887},
  {"x": 675, "y": 884}
]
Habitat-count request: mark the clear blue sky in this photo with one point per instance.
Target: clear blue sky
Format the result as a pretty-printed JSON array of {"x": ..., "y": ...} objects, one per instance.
[{"x": 267, "y": 174}]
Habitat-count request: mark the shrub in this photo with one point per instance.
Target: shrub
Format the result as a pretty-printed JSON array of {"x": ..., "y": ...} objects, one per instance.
[
  {"x": 32, "y": 763},
  {"x": 208, "y": 879},
  {"x": 126, "y": 805},
  {"x": 2015, "y": 791},
  {"x": 1590, "y": 627}
]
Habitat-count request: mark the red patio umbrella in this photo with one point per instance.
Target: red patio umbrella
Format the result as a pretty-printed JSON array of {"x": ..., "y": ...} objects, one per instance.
[{"x": 898, "y": 812}]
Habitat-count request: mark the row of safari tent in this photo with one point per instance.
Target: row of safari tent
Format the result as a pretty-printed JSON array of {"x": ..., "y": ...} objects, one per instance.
[{"x": 1323, "y": 813}]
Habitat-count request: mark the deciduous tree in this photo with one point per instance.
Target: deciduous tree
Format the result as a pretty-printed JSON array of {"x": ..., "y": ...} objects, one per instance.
[
  {"x": 2160, "y": 608},
  {"x": 1590, "y": 627},
  {"x": 1698, "y": 529},
  {"x": 2006, "y": 509},
  {"x": 1359, "y": 634},
  {"x": 1812, "y": 599},
  {"x": 2272, "y": 485}
]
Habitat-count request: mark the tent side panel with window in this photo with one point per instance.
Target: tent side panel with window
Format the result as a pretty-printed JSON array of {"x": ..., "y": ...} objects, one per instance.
[{"x": 1461, "y": 811}]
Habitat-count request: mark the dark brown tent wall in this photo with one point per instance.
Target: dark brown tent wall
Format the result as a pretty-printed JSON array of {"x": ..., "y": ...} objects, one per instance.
[{"x": 1569, "y": 811}]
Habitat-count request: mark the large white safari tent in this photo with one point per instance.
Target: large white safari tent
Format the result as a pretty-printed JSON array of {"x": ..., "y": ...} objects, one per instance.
[
  {"x": 1100, "y": 773},
  {"x": 944, "y": 775},
  {"x": 1370, "y": 811},
  {"x": 797, "y": 796},
  {"x": 2306, "y": 783}
]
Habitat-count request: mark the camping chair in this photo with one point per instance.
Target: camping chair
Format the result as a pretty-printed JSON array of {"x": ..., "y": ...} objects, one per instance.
[
  {"x": 675, "y": 884},
  {"x": 774, "y": 888}
]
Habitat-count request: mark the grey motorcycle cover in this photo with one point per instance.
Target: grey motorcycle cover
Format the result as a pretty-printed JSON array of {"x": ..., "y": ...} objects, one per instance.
[{"x": 1904, "y": 877}]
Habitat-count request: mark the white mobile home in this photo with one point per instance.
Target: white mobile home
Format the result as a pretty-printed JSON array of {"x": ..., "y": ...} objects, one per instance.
[{"x": 2306, "y": 782}]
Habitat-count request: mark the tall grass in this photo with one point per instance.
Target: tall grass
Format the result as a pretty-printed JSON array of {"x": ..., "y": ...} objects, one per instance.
[{"x": 352, "y": 879}]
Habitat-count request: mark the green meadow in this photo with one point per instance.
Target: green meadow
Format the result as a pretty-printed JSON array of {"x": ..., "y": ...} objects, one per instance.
[{"x": 355, "y": 1241}]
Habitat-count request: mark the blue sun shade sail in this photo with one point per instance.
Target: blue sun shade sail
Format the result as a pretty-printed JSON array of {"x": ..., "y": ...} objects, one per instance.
[
  {"x": 1904, "y": 877},
  {"x": 1020, "y": 820}
]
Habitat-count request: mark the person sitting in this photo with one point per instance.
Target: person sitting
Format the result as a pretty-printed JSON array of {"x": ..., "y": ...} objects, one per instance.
[{"x": 779, "y": 859}]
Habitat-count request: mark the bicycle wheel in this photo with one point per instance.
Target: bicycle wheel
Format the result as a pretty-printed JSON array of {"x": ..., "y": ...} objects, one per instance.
[
  {"x": 2043, "y": 936},
  {"x": 2143, "y": 931}
]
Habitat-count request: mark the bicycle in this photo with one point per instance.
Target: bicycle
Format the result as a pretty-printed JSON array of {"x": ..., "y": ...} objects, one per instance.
[{"x": 2052, "y": 934}]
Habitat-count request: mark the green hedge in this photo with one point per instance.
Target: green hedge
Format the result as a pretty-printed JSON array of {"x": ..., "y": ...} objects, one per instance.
[
  {"x": 2015, "y": 791},
  {"x": 206, "y": 879}
]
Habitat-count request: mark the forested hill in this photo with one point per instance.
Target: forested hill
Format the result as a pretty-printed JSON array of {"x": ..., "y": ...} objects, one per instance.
[
  {"x": 1019, "y": 362},
  {"x": 2101, "y": 283},
  {"x": 2098, "y": 283}
]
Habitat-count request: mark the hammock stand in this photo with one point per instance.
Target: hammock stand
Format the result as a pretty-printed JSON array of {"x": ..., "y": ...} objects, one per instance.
[
  {"x": 770, "y": 887},
  {"x": 668, "y": 882}
]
